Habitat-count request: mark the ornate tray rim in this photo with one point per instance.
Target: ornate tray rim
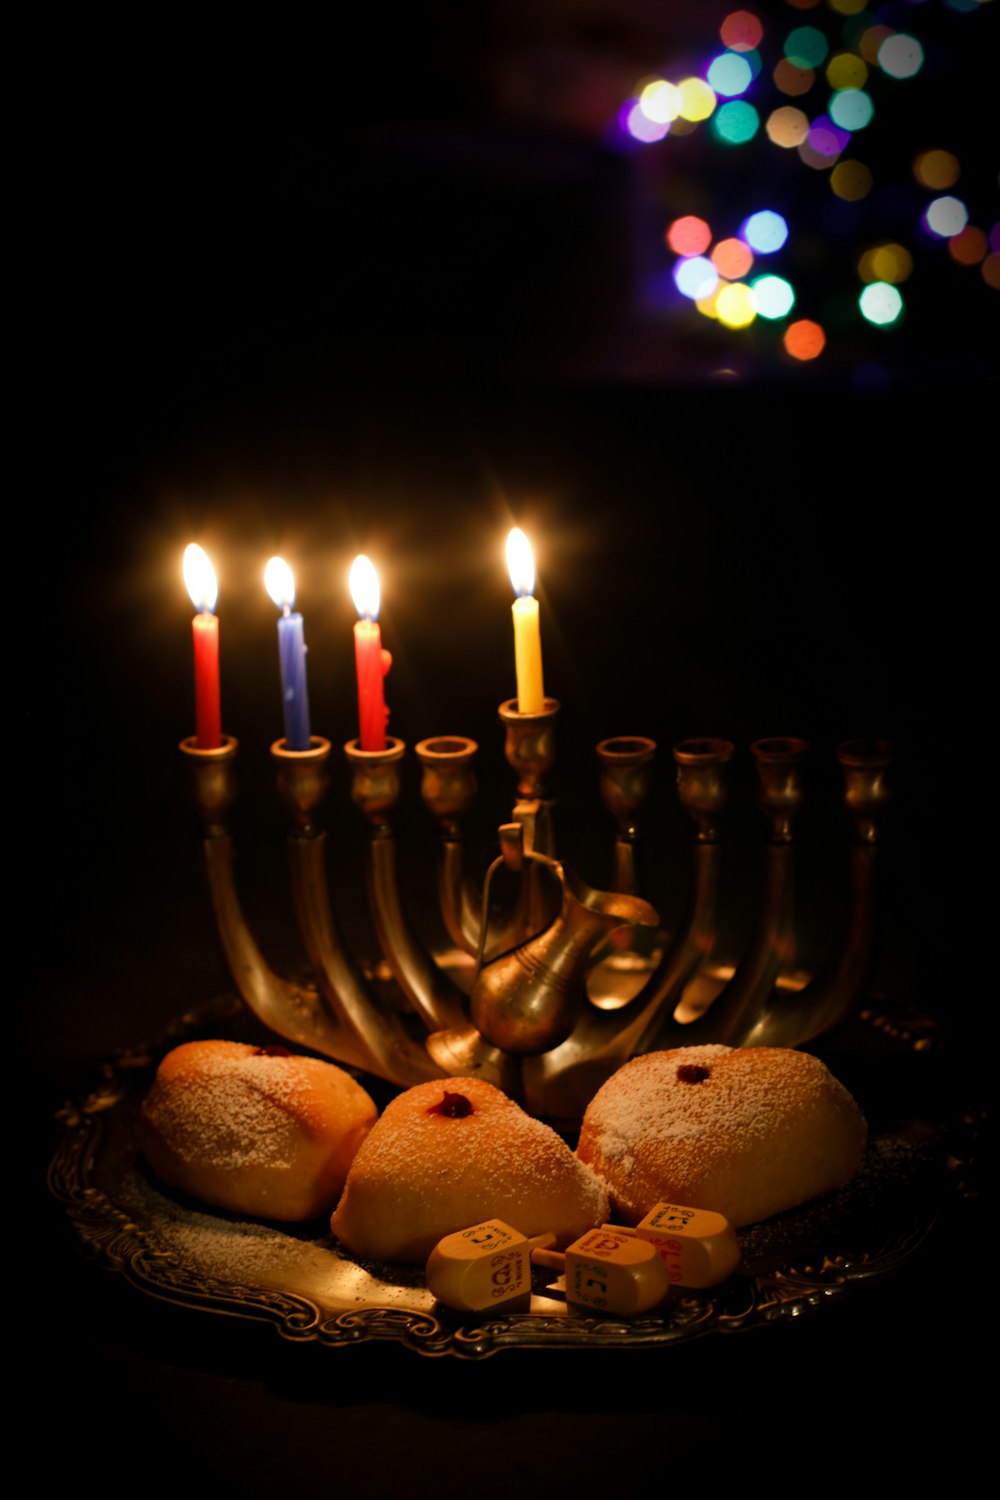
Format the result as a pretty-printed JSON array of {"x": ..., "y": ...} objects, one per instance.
[{"x": 109, "y": 1231}]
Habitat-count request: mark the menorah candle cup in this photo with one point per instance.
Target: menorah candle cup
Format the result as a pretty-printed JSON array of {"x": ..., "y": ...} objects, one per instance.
[
  {"x": 530, "y": 745},
  {"x": 375, "y": 777},
  {"x": 302, "y": 779},
  {"x": 625, "y": 773},
  {"x": 448, "y": 778},
  {"x": 701, "y": 781},
  {"x": 214, "y": 778}
]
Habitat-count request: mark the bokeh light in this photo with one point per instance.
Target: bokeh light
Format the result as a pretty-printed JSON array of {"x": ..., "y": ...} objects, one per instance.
[
  {"x": 735, "y": 306},
  {"x": 697, "y": 99},
  {"x": 856, "y": 249},
  {"x": 804, "y": 339},
  {"x": 660, "y": 101},
  {"x": 871, "y": 40},
  {"x": 889, "y": 262},
  {"x": 689, "y": 236},
  {"x": 806, "y": 47},
  {"x": 695, "y": 277},
  {"x": 826, "y": 138},
  {"x": 818, "y": 160},
  {"x": 880, "y": 303},
  {"x": 792, "y": 80},
  {"x": 851, "y": 180},
  {"x": 732, "y": 259},
  {"x": 846, "y": 71},
  {"x": 969, "y": 246},
  {"x": 851, "y": 109},
  {"x": 936, "y": 169},
  {"x": 741, "y": 30},
  {"x": 736, "y": 122},
  {"x": 765, "y": 231},
  {"x": 901, "y": 56},
  {"x": 729, "y": 74},
  {"x": 641, "y": 127},
  {"x": 946, "y": 216},
  {"x": 773, "y": 296},
  {"x": 787, "y": 126}
]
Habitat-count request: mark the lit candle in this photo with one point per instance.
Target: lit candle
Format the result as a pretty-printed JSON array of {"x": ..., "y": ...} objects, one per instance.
[
  {"x": 199, "y": 576},
  {"x": 280, "y": 584},
  {"x": 371, "y": 661},
  {"x": 527, "y": 638}
]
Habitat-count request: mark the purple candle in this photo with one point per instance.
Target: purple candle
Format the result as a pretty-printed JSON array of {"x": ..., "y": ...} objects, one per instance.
[{"x": 280, "y": 584}]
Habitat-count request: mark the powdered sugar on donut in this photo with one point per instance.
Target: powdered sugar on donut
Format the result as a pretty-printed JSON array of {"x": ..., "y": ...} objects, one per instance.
[
  {"x": 746, "y": 1132},
  {"x": 422, "y": 1174},
  {"x": 240, "y": 1108},
  {"x": 254, "y": 1130}
]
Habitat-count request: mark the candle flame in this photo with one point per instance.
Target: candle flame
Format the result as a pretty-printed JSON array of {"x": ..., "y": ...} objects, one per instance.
[
  {"x": 520, "y": 563},
  {"x": 199, "y": 577},
  {"x": 280, "y": 582},
  {"x": 364, "y": 588}
]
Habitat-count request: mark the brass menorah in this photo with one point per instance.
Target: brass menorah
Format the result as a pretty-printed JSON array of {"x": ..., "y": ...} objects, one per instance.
[{"x": 519, "y": 1012}]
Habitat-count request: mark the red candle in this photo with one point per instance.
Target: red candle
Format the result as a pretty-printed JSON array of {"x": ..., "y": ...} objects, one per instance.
[
  {"x": 371, "y": 661},
  {"x": 199, "y": 575}
]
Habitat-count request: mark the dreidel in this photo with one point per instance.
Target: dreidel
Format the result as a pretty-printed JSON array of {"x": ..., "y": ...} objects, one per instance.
[
  {"x": 484, "y": 1266},
  {"x": 609, "y": 1270},
  {"x": 698, "y": 1246}
]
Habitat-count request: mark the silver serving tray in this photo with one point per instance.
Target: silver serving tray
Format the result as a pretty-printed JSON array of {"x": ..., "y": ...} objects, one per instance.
[{"x": 298, "y": 1279}]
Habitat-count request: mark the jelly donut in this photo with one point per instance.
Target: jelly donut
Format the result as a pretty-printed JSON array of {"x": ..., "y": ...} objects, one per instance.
[
  {"x": 746, "y": 1132},
  {"x": 254, "y": 1129},
  {"x": 448, "y": 1154}
]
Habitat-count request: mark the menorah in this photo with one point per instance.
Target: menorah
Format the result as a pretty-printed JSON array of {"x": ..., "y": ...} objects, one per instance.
[{"x": 527, "y": 1021}]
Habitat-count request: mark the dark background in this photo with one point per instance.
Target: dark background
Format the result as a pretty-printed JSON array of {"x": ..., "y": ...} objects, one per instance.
[{"x": 271, "y": 316}]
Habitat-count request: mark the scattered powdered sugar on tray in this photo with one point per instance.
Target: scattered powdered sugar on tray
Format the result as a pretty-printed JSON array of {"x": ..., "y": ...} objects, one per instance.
[{"x": 234, "y": 1250}]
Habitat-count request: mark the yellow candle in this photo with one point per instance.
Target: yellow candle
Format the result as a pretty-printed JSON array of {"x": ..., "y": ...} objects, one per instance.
[{"x": 527, "y": 637}]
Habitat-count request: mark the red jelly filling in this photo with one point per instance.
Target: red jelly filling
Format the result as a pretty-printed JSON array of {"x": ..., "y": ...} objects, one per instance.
[
  {"x": 692, "y": 1073},
  {"x": 452, "y": 1106},
  {"x": 272, "y": 1052}
]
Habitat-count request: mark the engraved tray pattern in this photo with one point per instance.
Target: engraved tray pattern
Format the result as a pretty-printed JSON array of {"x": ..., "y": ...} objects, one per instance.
[{"x": 296, "y": 1278}]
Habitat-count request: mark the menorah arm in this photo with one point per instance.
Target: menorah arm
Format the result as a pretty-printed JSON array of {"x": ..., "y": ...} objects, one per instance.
[
  {"x": 460, "y": 911},
  {"x": 448, "y": 788},
  {"x": 435, "y": 998},
  {"x": 793, "y": 1019},
  {"x": 738, "y": 1007},
  {"x": 292, "y": 1010},
  {"x": 390, "y": 1051}
]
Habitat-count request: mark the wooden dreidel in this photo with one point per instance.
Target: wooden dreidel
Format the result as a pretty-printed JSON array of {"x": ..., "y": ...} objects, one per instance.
[
  {"x": 611, "y": 1270},
  {"x": 699, "y": 1247},
  {"x": 484, "y": 1266}
]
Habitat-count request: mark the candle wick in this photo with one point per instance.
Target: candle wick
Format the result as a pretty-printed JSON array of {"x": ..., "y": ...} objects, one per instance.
[{"x": 286, "y": 608}]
